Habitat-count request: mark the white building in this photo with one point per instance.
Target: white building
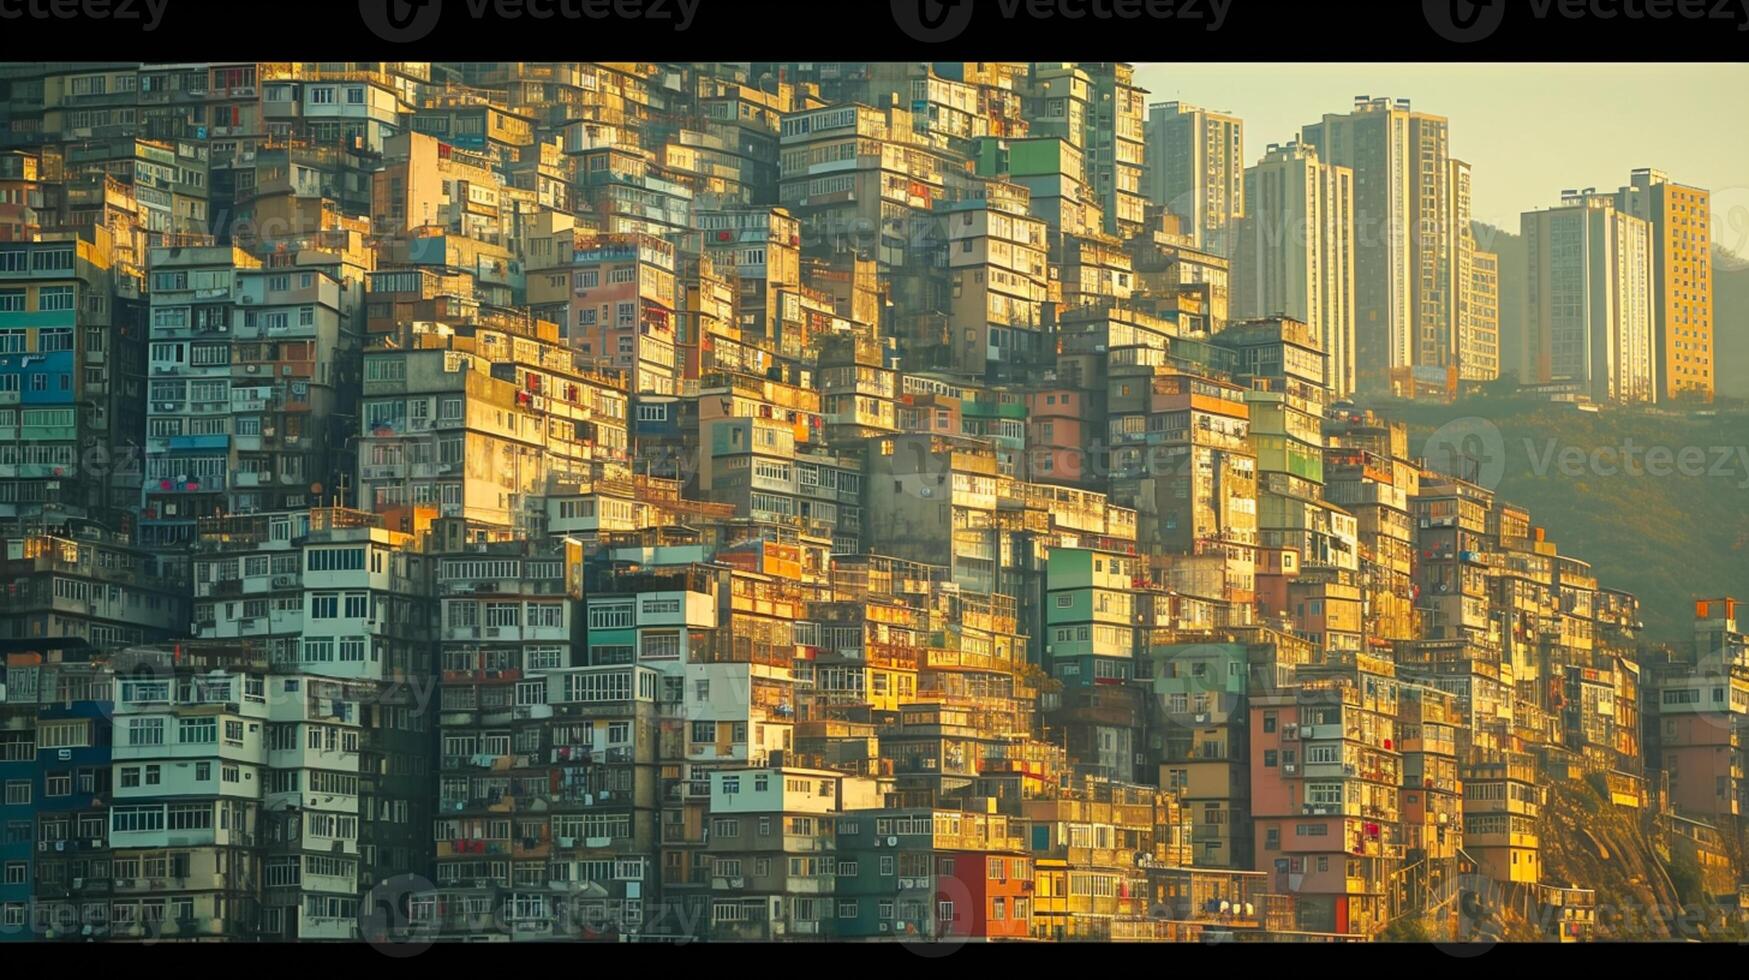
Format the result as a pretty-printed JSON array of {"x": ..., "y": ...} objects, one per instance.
[
  {"x": 1295, "y": 253},
  {"x": 1588, "y": 299}
]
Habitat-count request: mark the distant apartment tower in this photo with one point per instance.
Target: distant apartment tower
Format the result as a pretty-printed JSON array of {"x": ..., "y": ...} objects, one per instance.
[
  {"x": 1588, "y": 299},
  {"x": 1682, "y": 280},
  {"x": 1404, "y": 244},
  {"x": 1295, "y": 252},
  {"x": 1479, "y": 338},
  {"x": 1196, "y": 169},
  {"x": 1470, "y": 310}
]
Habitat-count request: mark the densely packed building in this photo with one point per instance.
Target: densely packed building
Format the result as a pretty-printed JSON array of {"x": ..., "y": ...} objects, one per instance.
[{"x": 783, "y": 501}]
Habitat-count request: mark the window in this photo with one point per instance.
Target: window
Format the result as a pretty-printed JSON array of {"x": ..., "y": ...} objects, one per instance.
[
  {"x": 197, "y": 731},
  {"x": 136, "y": 819},
  {"x": 145, "y": 731},
  {"x": 63, "y": 735}
]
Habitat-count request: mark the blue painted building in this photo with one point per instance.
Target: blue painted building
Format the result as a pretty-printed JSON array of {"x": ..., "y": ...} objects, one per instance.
[
  {"x": 72, "y": 881},
  {"x": 17, "y": 807}
]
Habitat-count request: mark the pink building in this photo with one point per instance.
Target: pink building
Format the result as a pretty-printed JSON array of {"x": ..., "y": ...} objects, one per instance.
[{"x": 1060, "y": 439}]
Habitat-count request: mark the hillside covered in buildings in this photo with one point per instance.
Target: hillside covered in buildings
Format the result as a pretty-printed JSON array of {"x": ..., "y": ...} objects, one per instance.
[{"x": 823, "y": 501}]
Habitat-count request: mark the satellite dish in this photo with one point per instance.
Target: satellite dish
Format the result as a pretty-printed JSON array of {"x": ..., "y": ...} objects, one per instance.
[{"x": 315, "y": 488}]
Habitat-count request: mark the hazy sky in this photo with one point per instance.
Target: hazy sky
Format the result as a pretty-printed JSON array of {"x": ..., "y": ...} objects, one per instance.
[{"x": 1530, "y": 130}]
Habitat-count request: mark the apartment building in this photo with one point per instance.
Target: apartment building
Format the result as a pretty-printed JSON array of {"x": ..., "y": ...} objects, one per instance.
[
  {"x": 1052, "y": 169},
  {"x": 93, "y": 587},
  {"x": 1295, "y": 252},
  {"x": 934, "y": 873},
  {"x": 1089, "y": 617},
  {"x": 482, "y": 420},
  {"x": 1680, "y": 219},
  {"x": 335, "y": 606},
  {"x": 613, "y": 297},
  {"x": 1326, "y": 774},
  {"x": 548, "y": 810},
  {"x": 1501, "y": 804},
  {"x": 1196, "y": 169},
  {"x": 1180, "y": 455},
  {"x": 774, "y": 843},
  {"x": 1589, "y": 301},
  {"x": 59, "y": 318},
  {"x": 1480, "y": 349},
  {"x": 57, "y": 751},
  {"x": 998, "y": 281},
  {"x": 1404, "y": 240},
  {"x": 875, "y": 207}
]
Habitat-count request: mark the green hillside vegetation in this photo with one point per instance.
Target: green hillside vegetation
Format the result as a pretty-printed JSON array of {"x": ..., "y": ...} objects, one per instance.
[{"x": 1666, "y": 538}]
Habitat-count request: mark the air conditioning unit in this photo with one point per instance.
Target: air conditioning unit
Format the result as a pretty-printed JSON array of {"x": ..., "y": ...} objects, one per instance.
[
  {"x": 1290, "y": 768},
  {"x": 253, "y": 369},
  {"x": 737, "y": 882},
  {"x": 885, "y": 927}
]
